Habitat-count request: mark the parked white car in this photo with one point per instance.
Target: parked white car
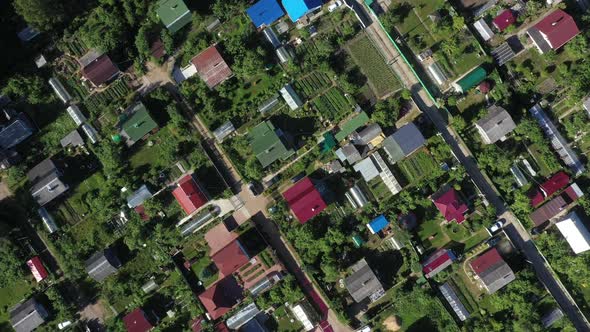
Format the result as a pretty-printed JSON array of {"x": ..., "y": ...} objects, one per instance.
[
  {"x": 335, "y": 5},
  {"x": 496, "y": 226}
]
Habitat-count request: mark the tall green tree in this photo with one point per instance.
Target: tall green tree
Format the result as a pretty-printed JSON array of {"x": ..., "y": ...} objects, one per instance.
[
  {"x": 11, "y": 266},
  {"x": 103, "y": 29},
  {"x": 43, "y": 15},
  {"x": 30, "y": 88}
]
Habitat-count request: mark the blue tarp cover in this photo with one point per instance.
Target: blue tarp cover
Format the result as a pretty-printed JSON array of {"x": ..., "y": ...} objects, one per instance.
[
  {"x": 378, "y": 224},
  {"x": 297, "y": 8}
]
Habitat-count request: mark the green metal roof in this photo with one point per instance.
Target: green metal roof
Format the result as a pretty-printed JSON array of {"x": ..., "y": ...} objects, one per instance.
[
  {"x": 358, "y": 241},
  {"x": 329, "y": 142},
  {"x": 472, "y": 79},
  {"x": 139, "y": 123},
  {"x": 267, "y": 145},
  {"x": 174, "y": 14},
  {"x": 351, "y": 125}
]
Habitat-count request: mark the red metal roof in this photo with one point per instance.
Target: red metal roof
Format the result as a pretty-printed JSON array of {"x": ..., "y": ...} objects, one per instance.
[
  {"x": 221, "y": 297},
  {"x": 485, "y": 261},
  {"x": 305, "y": 200},
  {"x": 558, "y": 27},
  {"x": 437, "y": 259},
  {"x": 188, "y": 195},
  {"x": 504, "y": 20},
  {"x": 555, "y": 183},
  {"x": 37, "y": 268},
  {"x": 136, "y": 321},
  {"x": 451, "y": 206},
  {"x": 211, "y": 67},
  {"x": 229, "y": 259},
  {"x": 100, "y": 70},
  {"x": 536, "y": 197}
]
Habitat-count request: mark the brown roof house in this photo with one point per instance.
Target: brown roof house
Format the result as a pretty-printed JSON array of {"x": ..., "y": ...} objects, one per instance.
[
  {"x": 492, "y": 270},
  {"x": 98, "y": 68}
]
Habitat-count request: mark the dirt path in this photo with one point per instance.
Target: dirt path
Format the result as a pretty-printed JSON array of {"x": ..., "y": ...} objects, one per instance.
[{"x": 4, "y": 190}]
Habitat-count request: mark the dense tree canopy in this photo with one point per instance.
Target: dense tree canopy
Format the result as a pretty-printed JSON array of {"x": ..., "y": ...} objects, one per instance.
[
  {"x": 42, "y": 15},
  {"x": 11, "y": 265},
  {"x": 103, "y": 29},
  {"x": 30, "y": 88}
]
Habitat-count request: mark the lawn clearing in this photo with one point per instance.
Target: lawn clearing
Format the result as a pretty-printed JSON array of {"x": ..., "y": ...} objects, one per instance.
[
  {"x": 372, "y": 64},
  {"x": 378, "y": 188},
  {"x": 432, "y": 235},
  {"x": 286, "y": 321},
  {"x": 202, "y": 268},
  {"x": 476, "y": 239},
  {"x": 77, "y": 198},
  {"x": 11, "y": 295}
]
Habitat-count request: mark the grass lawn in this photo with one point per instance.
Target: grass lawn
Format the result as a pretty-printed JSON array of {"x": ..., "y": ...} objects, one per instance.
[
  {"x": 379, "y": 189},
  {"x": 373, "y": 65},
  {"x": 11, "y": 295},
  {"x": 476, "y": 238},
  {"x": 77, "y": 201},
  {"x": 198, "y": 268},
  {"x": 456, "y": 232},
  {"x": 430, "y": 232},
  {"x": 148, "y": 155},
  {"x": 474, "y": 101},
  {"x": 286, "y": 321}
]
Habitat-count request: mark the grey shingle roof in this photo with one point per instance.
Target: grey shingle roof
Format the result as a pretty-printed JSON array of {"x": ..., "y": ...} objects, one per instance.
[
  {"x": 27, "y": 316},
  {"x": 102, "y": 264},
  {"x": 73, "y": 139},
  {"x": 362, "y": 283},
  {"x": 349, "y": 153},
  {"x": 495, "y": 125},
  {"x": 369, "y": 133},
  {"x": 46, "y": 182},
  {"x": 497, "y": 276},
  {"x": 139, "y": 196},
  {"x": 403, "y": 142}
]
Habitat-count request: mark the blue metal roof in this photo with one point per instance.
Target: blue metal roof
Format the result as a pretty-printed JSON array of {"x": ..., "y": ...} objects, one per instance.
[
  {"x": 297, "y": 8},
  {"x": 378, "y": 224},
  {"x": 265, "y": 12}
]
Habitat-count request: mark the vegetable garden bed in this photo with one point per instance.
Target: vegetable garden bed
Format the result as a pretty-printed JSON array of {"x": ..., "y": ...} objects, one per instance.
[
  {"x": 373, "y": 65},
  {"x": 312, "y": 84},
  {"x": 332, "y": 104}
]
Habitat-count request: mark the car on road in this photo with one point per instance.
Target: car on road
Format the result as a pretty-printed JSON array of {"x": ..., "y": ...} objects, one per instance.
[{"x": 496, "y": 226}]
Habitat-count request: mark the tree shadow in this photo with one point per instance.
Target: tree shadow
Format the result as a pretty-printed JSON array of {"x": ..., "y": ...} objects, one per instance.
[{"x": 423, "y": 324}]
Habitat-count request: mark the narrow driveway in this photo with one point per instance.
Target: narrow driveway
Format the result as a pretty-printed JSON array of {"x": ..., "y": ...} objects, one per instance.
[{"x": 514, "y": 229}]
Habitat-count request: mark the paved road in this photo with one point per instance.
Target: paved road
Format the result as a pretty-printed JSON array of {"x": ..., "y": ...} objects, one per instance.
[{"x": 515, "y": 231}]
